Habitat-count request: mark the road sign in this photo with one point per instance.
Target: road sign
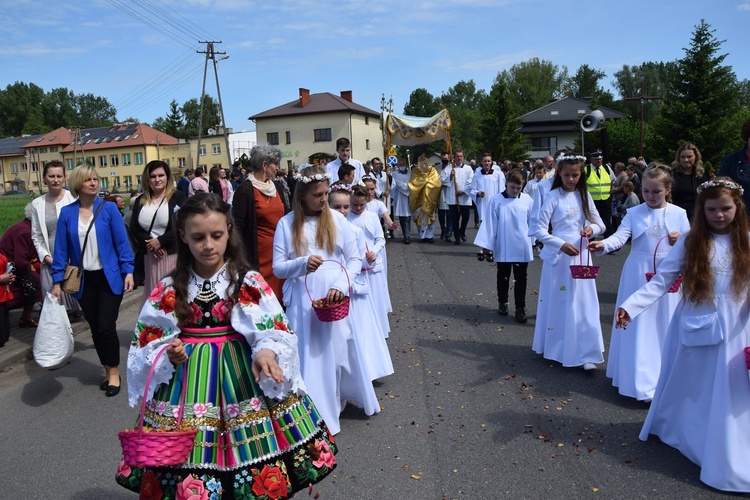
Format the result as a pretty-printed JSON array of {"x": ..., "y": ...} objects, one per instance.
[
  {"x": 113, "y": 174},
  {"x": 392, "y": 160}
]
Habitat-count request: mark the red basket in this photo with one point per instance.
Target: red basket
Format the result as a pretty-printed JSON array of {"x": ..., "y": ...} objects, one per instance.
[
  {"x": 747, "y": 357},
  {"x": 334, "y": 312},
  {"x": 582, "y": 272},
  {"x": 676, "y": 285},
  {"x": 157, "y": 448}
]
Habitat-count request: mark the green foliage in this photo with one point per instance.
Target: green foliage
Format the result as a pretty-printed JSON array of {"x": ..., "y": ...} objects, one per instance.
[
  {"x": 191, "y": 112},
  {"x": 27, "y": 109},
  {"x": 423, "y": 104},
  {"x": 700, "y": 105},
  {"x": 534, "y": 83},
  {"x": 655, "y": 78},
  {"x": 623, "y": 140},
  {"x": 11, "y": 209},
  {"x": 464, "y": 103},
  {"x": 585, "y": 83},
  {"x": 499, "y": 122}
]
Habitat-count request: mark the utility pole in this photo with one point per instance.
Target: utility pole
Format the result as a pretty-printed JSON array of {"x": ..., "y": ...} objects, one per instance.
[
  {"x": 211, "y": 54},
  {"x": 643, "y": 100}
]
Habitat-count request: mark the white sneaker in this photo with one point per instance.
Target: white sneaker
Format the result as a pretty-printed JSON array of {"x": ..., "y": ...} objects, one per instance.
[{"x": 589, "y": 366}]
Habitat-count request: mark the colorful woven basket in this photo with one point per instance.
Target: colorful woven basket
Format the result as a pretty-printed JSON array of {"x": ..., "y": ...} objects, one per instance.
[
  {"x": 747, "y": 357},
  {"x": 156, "y": 448},
  {"x": 581, "y": 272},
  {"x": 676, "y": 285},
  {"x": 332, "y": 312}
]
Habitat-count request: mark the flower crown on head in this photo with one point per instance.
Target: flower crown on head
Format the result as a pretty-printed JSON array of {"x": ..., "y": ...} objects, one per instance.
[
  {"x": 571, "y": 157},
  {"x": 316, "y": 178},
  {"x": 720, "y": 183},
  {"x": 340, "y": 187},
  {"x": 360, "y": 183}
]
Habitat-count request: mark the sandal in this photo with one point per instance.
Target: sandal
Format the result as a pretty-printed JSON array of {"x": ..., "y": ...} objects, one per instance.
[{"x": 27, "y": 323}]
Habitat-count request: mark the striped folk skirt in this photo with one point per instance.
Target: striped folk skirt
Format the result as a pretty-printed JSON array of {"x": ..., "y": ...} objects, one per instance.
[{"x": 247, "y": 446}]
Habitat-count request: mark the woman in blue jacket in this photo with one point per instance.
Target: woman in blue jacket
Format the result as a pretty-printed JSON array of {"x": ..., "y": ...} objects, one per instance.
[{"x": 107, "y": 263}]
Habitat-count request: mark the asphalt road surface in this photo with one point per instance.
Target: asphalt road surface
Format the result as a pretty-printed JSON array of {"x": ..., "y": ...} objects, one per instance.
[{"x": 471, "y": 411}]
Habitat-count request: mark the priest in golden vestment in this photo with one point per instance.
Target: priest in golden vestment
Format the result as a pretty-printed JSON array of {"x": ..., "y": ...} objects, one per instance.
[{"x": 424, "y": 193}]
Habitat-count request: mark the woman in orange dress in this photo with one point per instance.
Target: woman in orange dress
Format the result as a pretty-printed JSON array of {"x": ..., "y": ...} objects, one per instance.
[{"x": 258, "y": 205}]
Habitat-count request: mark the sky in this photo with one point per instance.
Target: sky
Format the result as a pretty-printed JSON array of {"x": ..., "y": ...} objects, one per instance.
[{"x": 141, "y": 54}]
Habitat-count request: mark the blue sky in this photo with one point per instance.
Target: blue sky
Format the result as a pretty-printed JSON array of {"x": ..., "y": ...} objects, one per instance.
[{"x": 370, "y": 47}]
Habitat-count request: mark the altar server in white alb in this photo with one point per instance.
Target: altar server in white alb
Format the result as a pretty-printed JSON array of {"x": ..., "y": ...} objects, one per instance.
[
  {"x": 567, "y": 321},
  {"x": 504, "y": 231},
  {"x": 488, "y": 181},
  {"x": 635, "y": 355},
  {"x": 702, "y": 401},
  {"x": 400, "y": 198},
  {"x": 315, "y": 242},
  {"x": 456, "y": 180}
]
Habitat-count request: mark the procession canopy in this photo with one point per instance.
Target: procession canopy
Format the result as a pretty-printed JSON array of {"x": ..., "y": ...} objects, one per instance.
[
  {"x": 404, "y": 130},
  {"x": 424, "y": 191}
]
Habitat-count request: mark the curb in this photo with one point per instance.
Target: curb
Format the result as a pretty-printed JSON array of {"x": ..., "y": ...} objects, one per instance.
[{"x": 20, "y": 345}]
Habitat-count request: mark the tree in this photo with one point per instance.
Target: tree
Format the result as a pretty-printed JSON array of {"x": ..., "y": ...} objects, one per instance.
[
  {"x": 191, "y": 112},
  {"x": 18, "y": 102},
  {"x": 94, "y": 111},
  {"x": 585, "y": 83},
  {"x": 655, "y": 77},
  {"x": 534, "y": 83},
  {"x": 59, "y": 108},
  {"x": 499, "y": 124},
  {"x": 464, "y": 103},
  {"x": 700, "y": 105},
  {"x": 174, "y": 124}
]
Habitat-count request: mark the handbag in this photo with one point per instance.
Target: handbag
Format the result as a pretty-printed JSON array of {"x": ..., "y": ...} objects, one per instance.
[
  {"x": 29, "y": 285},
  {"x": 72, "y": 276},
  {"x": 675, "y": 287}
]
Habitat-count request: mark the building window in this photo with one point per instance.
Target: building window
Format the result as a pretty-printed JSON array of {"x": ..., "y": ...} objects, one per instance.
[
  {"x": 116, "y": 182},
  {"x": 53, "y": 149},
  {"x": 138, "y": 179},
  {"x": 14, "y": 168},
  {"x": 126, "y": 158},
  {"x": 322, "y": 134},
  {"x": 90, "y": 161},
  {"x": 34, "y": 166},
  {"x": 139, "y": 158},
  {"x": 102, "y": 161},
  {"x": 42, "y": 150},
  {"x": 24, "y": 167},
  {"x": 288, "y": 137},
  {"x": 69, "y": 164},
  {"x": 367, "y": 120},
  {"x": 367, "y": 144},
  {"x": 216, "y": 148},
  {"x": 103, "y": 182},
  {"x": 202, "y": 150},
  {"x": 272, "y": 138},
  {"x": 544, "y": 143},
  {"x": 128, "y": 181},
  {"x": 182, "y": 162},
  {"x": 115, "y": 160}
]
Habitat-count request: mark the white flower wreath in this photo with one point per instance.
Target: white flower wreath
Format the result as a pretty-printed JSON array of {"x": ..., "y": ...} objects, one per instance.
[
  {"x": 317, "y": 178},
  {"x": 715, "y": 183}
]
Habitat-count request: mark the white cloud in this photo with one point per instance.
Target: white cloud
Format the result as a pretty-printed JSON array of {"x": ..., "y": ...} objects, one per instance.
[
  {"x": 744, "y": 6},
  {"x": 496, "y": 63}
]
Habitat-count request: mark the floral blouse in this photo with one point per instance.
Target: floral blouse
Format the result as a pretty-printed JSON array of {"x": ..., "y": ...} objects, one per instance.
[{"x": 257, "y": 316}]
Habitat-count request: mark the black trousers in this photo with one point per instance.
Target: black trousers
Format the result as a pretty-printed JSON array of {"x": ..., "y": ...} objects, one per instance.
[
  {"x": 4, "y": 324},
  {"x": 101, "y": 307},
  {"x": 462, "y": 211},
  {"x": 604, "y": 207},
  {"x": 503, "y": 282}
]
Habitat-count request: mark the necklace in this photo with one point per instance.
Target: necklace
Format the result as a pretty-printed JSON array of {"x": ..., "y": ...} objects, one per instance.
[
  {"x": 207, "y": 289},
  {"x": 723, "y": 261},
  {"x": 654, "y": 231}
]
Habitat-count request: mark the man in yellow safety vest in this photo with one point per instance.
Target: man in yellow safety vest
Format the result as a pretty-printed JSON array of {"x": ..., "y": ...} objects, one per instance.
[{"x": 599, "y": 184}]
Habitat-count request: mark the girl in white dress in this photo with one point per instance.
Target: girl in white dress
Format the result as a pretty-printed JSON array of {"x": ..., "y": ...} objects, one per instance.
[
  {"x": 635, "y": 354},
  {"x": 567, "y": 322},
  {"x": 702, "y": 401},
  {"x": 310, "y": 246},
  {"x": 370, "y": 341},
  {"x": 375, "y": 265}
]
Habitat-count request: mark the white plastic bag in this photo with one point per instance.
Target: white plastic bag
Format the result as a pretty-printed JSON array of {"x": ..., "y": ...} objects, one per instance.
[{"x": 53, "y": 341}]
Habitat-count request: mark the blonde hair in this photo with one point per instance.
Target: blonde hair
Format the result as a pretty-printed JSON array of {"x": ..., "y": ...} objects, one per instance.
[
  {"x": 658, "y": 172},
  {"x": 78, "y": 176},
  {"x": 325, "y": 233}
]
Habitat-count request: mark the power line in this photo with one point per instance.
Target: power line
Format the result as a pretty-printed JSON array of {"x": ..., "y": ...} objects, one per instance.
[
  {"x": 179, "y": 22},
  {"x": 148, "y": 22}
]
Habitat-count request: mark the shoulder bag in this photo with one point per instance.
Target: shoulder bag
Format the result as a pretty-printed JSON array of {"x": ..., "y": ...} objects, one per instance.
[{"x": 72, "y": 276}]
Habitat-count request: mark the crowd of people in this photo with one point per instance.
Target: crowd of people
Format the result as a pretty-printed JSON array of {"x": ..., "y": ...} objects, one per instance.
[{"x": 256, "y": 292}]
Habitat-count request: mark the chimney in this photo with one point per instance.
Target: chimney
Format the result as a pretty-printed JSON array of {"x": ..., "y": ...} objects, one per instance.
[
  {"x": 304, "y": 97},
  {"x": 346, "y": 95}
]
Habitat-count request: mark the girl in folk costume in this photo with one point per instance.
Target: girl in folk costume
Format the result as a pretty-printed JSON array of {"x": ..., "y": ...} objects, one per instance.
[
  {"x": 504, "y": 231},
  {"x": 488, "y": 181},
  {"x": 375, "y": 258},
  {"x": 232, "y": 356},
  {"x": 371, "y": 344},
  {"x": 567, "y": 323},
  {"x": 635, "y": 355},
  {"x": 701, "y": 404},
  {"x": 311, "y": 245}
]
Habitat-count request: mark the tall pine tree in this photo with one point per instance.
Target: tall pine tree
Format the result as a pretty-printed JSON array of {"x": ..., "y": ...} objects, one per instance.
[
  {"x": 700, "y": 105},
  {"x": 499, "y": 124}
]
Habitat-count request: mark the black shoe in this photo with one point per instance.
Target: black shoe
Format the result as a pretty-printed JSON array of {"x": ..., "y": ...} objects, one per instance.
[
  {"x": 503, "y": 309},
  {"x": 113, "y": 390},
  {"x": 103, "y": 385},
  {"x": 490, "y": 257},
  {"x": 407, "y": 241},
  {"x": 429, "y": 240},
  {"x": 463, "y": 238},
  {"x": 520, "y": 315},
  {"x": 457, "y": 242},
  {"x": 480, "y": 256}
]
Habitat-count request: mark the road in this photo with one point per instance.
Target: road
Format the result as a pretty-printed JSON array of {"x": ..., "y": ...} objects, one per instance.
[{"x": 471, "y": 411}]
